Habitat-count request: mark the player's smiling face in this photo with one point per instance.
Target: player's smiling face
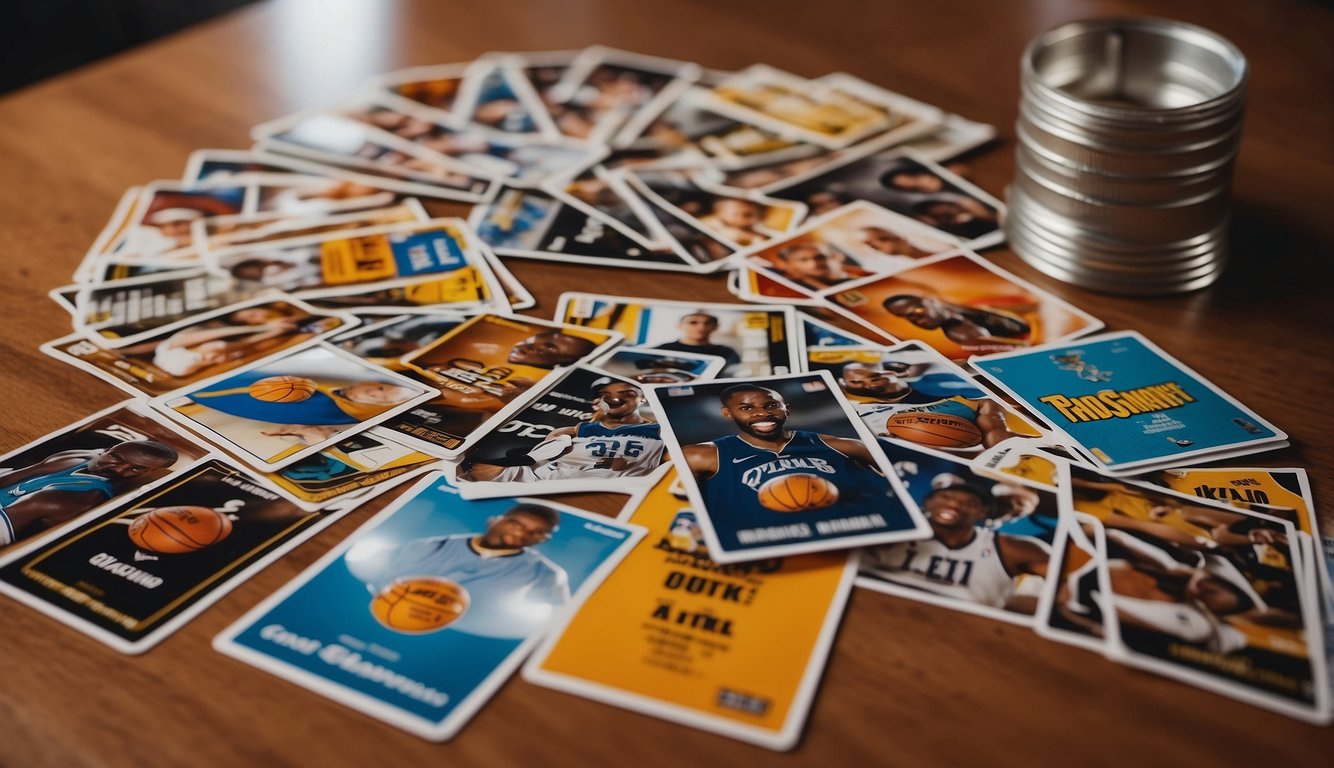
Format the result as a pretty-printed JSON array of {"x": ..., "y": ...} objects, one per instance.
[
  {"x": 761, "y": 414},
  {"x": 953, "y": 509}
]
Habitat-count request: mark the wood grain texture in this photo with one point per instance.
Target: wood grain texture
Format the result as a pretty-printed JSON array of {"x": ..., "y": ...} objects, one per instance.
[{"x": 907, "y": 684}]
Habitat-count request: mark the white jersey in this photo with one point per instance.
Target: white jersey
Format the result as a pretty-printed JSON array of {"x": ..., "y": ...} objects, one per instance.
[
  {"x": 598, "y": 451},
  {"x": 972, "y": 573}
]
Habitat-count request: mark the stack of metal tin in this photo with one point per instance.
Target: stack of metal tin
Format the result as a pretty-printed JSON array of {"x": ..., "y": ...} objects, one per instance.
[{"x": 1127, "y": 133}]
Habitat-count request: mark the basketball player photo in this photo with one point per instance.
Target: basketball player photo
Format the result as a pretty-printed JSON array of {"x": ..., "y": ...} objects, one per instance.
[
  {"x": 990, "y": 541},
  {"x": 589, "y": 431},
  {"x": 142, "y": 568},
  {"x": 288, "y": 407},
  {"x": 451, "y": 595},
  {"x": 781, "y": 465},
  {"x": 910, "y": 392}
]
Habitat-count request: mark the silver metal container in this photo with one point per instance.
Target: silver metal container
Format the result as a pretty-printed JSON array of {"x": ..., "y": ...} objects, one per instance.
[{"x": 1128, "y": 131}]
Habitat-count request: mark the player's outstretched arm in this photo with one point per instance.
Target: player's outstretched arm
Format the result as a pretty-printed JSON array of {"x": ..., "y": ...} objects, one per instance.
[{"x": 702, "y": 459}]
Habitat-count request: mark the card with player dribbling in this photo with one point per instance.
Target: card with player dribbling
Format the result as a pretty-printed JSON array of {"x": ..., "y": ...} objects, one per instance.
[
  {"x": 780, "y": 466},
  {"x": 422, "y": 614}
]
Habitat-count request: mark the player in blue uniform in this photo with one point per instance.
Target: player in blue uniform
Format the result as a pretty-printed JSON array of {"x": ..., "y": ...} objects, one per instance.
[
  {"x": 68, "y": 483},
  {"x": 513, "y": 589},
  {"x": 731, "y": 469}
]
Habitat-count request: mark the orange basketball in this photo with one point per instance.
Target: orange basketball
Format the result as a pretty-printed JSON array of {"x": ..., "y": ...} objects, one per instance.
[
  {"x": 177, "y": 530},
  {"x": 798, "y": 492},
  {"x": 282, "y": 389},
  {"x": 937, "y": 430},
  {"x": 420, "y": 604}
]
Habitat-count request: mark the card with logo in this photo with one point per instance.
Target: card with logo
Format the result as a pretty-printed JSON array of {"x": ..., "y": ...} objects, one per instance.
[{"x": 435, "y": 602}]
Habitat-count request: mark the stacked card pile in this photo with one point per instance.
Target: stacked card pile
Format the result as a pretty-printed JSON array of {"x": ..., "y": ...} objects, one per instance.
[{"x": 299, "y": 333}]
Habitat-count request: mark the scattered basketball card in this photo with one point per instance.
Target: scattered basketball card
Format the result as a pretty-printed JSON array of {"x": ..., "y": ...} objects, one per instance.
[
  {"x": 159, "y": 231},
  {"x": 818, "y": 333},
  {"x": 437, "y": 600},
  {"x": 1128, "y": 404},
  {"x": 587, "y": 431},
  {"x": 110, "y": 455},
  {"x": 432, "y": 90},
  {"x": 127, "y": 311},
  {"x": 385, "y": 342},
  {"x": 850, "y": 242},
  {"x": 833, "y": 111},
  {"x": 619, "y": 93},
  {"x": 990, "y": 545},
  {"x": 911, "y": 393},
  {"x": 740, "y": 219},
  {"x": 350, "y": 471},
  {"x": 904, "y": 183},
  {"x": 780, "y": 466},
  {"x": 141, "y": 569},
  {"x": 960, "y": 305},
  {"x": 289, "y": 407},
  {"x": 653, "y": 366},
  {"x": 1206, "y": 593},
  {"x": 483, "y": 372},
  {"x": 219, "y": 236},
  {"x": 671, "y": 635},
  {"x": 754, "y": 341},
  {"x": 215, "y": 343},
  {"x": 605, "y": 197},
  {"x": 532, "y": 224}
]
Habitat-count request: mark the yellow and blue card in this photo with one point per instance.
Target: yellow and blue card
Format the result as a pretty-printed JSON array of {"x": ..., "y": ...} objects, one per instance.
[
  {"x": 1128, "y": 404},
  {"x": 418, "y": 617},
  {"x": 736, "y": 650}
]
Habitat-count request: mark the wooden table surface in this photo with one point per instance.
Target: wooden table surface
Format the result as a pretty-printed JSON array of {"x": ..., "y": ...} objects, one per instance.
[{"x": 907, "y": 683}]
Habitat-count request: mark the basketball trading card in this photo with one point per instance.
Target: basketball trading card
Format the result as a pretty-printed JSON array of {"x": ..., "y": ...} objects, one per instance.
[
  {"x": 1071, "y": 609},
  {"x": 739, "y": 219},
  {"x": 288, "y": 407},
  {"x": 387, "y": 341},
  {"x": 538, "y": 74},
  {"x": 686, "y": 123},
  {"x": 110, "y": 455},
  {"x": 484, "y": 370},
  {"x": 652, "y": 366},
  {"x": 166, "y": 210},
  {"x": 604, "y": 196},
  {"x": 432, "y": 90},
  {"x": 960, "y": 305},
  {"x": 1245, "y": 487},
  {"x": 910, "y": 393},
  {"x": 1128, "y": 403},
  {"x": 217, "y": 342},
  {"x": 533, "y": 224},
  {"x": 780, "y": 466},
  {"x": 118, "y": 313},
  {"x": 234, "y": 165},
  {"x": 407, "y": 175},
  {"x": 834, "y": 111},
  {"x": 349, "y": 470},
  {"x": 707, "y": 251},
  {"x": 620, "y": 93},
  {"x": 496, "y": 97},
  {"x": 905, "y": 183},
  {"x": 1026, "y": 460},
  {"x": 850, "y": 242},
  {"x": 990, "y": 544},
  {"x": 332, "y": 263},
  {"x": 438, "y": 601},
  {"x": 753, "y": 341},
  {"x": 1209, "y": 594},
  {"x": 138, "y": 571},
  {"x": 817, "y": 333},
  {"x": 675, "y": 635},
  {"x": 587, "y": 431},
  {"x": 219, "y": 236}
]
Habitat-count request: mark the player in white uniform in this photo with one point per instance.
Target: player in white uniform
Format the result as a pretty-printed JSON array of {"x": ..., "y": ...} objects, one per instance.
[
  {"x": 618, "y": 442},
  {"x": 513, "y": 589},
  {"x": 963, "y": 560}
]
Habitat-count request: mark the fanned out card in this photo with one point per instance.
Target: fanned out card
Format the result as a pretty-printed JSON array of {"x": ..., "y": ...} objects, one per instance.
[
  {"x": 1128, "y": 404},
  {"x": 905, "y": 183},
  {"x": 990, "y": 546},
  {"x": 672, "y": 634},
  {"x": 110, "y": 455},
  {"x": 483, "y": 371},
  {"x": 780, "y": 465},
  {"x": 1207, "y": 593},
  {"x": 350, "y": 471},
  {"x": 215, "y": 343},
  {"x": 291, "y": 406},
  {"x": 141, "y": 569},
  {"x": 754, "y": 341},
  {"x": 218, "y": 236},
  {"x": 911, "y": 393},
  {"x": 960, "y": 305},
  {"x": 423, "y": 613},
  {"x": 587, "y": 431},
  {"x": 653, "y": 366}
]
